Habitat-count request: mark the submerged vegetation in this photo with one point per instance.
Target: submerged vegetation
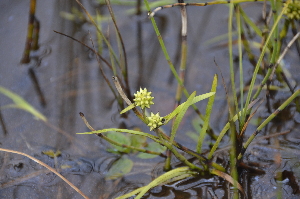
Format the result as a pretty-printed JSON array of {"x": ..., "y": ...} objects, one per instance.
[{"x": 243, "y": 98}]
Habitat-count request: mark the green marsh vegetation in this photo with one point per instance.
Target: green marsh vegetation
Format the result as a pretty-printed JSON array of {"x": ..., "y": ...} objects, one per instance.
[
  {"x": 280, "y": 19},
  {"x": 263, "y": 45}
]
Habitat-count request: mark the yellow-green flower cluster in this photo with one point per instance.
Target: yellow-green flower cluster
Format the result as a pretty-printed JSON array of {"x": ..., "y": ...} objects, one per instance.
[
  {"x": 155, "y": 121},
  {"x": 293, "y": 10},
  {"x": 143, "y": 98}
]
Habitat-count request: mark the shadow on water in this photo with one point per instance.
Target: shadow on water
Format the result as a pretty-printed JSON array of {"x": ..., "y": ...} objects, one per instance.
[{"x": 63, "y": 79}]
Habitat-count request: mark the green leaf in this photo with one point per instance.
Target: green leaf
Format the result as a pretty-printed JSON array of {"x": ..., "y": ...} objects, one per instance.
[
  {"x": 121, "y": 138},
  {"x": 127, "y": 108},
  {"x": 166, "y": 177},
  {"x": 153, "y": 146},
  {"x": 21, "y": 104},
  {"x": 195, "y": 100},
  {"x": 207, "y": 115},
  {"x": 228, "y": 178},
  {"x": 119, "y": 168},
  {"x": 180, "y": 115}
]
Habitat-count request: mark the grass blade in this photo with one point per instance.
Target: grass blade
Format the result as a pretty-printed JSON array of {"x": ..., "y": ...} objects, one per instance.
[
  {"x": 207, "y": 115},
  {"x": 22, "y": 104},
  {"x": 180, "y": 115}
]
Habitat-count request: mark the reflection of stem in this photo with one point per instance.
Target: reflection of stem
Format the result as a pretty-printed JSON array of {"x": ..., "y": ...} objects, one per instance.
[
  {"x": 183, "y": 52},
  {"x": 4, "y": 129},
  {"x": 37, "y": 86},
  {"x": 139, "y": 7}
]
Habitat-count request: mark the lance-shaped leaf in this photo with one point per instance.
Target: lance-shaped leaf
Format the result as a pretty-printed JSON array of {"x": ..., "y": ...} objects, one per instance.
[
  {"x": 128, "y": 108},
  {"x": 228, "y": 178},
  {"x": 180, "y": 115},
  {"x": 207, "y": 115}
]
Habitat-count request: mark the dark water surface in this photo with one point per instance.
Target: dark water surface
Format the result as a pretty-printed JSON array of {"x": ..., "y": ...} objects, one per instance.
[{"x": 70, "y": 82}]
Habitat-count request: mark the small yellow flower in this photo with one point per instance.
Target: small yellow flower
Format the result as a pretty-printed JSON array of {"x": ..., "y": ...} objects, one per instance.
[
  {"x": 155, "y": 121},
  {"x": 293, "y": 10},
  {"x": 143, "y": 98}
]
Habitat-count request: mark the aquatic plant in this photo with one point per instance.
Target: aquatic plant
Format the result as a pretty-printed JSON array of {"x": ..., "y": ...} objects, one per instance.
[{"x": 241, "y": 102}]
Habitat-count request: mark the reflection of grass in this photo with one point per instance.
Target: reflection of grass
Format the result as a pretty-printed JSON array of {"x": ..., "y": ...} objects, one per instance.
[{"x": 20, "y": 103}]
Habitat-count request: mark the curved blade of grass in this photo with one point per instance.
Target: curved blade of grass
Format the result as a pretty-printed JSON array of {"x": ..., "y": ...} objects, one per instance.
[
  {"x": 180, "y": 115},
  {"x": 195, "y": 100},
  {"x": 165, "y": 177},
  {"x": 207, "y": 115},
  {"x": 176, "y": 178},
  {"x": 227, "y": 178},
  {"x": 22, "y": 104}
]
